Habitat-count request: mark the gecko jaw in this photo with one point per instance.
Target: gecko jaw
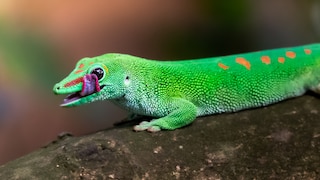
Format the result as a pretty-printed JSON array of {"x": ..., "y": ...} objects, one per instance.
[
  {"x": 71, "y": 99},
  {"x": 90, "y": 85}
]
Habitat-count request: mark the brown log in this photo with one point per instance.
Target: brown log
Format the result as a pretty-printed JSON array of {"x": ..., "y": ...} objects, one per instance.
[{"x": 275, "y": 142}]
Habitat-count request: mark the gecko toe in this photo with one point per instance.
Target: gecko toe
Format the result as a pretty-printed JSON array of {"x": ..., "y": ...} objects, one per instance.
[
  {"x": 139, "y": 128},
  {"x": 142, "y": 126},
  {"x": 145, "y": 125},
  {"x": 154, "y": 129}
]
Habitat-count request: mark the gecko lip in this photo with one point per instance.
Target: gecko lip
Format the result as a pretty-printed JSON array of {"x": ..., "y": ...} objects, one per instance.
[{"x": 90, "y": 85}]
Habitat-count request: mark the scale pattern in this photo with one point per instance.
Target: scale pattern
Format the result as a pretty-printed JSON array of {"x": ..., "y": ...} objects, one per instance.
[{"x": 176, "y": 92}]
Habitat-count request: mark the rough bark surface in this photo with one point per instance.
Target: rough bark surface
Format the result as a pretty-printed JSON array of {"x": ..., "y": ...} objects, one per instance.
[{"x": 281, "y": 141}]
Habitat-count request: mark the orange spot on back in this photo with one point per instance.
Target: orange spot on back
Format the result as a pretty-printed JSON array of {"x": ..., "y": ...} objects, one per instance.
[
  {"x": 78, "y": 71},
  {"x": 307, "y": 51},
  {"x": 281, "y": 60},
  {"x": 73, "y": 82},
  {"x": 266, "y": 59},
  {"x": 290, "y": 54},
  {"x": 225, "y": 67},
  {"x": 243, "y": 62},
  {"x": 81, "y": 66},
  {"x": 91, "y": 63}
]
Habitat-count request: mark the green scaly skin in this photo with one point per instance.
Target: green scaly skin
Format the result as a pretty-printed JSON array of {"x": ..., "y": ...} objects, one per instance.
[{"x": 176, "y": 92}]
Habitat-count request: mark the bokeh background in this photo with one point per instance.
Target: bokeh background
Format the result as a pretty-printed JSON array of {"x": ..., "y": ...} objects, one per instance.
[{"x": 40, "y": 42}]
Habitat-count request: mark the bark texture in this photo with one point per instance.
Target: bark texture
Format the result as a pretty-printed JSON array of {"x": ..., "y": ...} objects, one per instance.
[{"x": 281, "y": 141}]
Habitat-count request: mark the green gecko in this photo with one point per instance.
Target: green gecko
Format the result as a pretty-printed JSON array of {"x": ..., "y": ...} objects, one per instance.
[{"x": 176, "y": 92}]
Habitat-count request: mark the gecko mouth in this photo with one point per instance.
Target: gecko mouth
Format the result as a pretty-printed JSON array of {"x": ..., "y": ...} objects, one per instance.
[{"x": 90, "y": 85}]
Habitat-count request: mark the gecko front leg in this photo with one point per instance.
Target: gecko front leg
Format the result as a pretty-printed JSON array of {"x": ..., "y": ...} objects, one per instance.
[{"x": 182, "y": 113}]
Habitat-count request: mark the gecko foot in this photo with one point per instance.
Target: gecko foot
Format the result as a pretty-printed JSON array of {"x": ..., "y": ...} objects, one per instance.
[{"x": 145, "y": 125}]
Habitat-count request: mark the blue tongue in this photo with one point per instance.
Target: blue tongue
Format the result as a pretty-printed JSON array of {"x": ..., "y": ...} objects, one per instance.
[{"x": 90, "y": 84}]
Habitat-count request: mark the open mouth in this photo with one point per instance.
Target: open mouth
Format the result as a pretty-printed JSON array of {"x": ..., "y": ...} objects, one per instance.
[{"x": 90, "y": 85}]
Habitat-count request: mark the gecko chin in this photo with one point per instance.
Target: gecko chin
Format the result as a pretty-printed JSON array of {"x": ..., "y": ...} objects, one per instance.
[{"x": 90, "y": 86}]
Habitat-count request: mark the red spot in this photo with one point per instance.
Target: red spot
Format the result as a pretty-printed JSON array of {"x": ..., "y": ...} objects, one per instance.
[
  {"x": 78, "y": 71},
  {"x": 281, "y": 60},
  {"x": 290, "y": 54},
  {"x": 225, "y": 67},
  {"x": 73, "y": 82},
  {"x": 307, "y": 51},
  {"x": 81, "y": 66},
  {"x": 266, "y": 59},
  {"x": 243, "y": 62}
]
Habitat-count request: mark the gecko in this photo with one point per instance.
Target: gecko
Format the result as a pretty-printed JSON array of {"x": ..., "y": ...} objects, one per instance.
[{"x": 176, "y": 92}]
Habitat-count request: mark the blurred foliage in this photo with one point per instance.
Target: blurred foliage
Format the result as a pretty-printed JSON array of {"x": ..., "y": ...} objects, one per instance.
[
  {"x": 230, "y": 13},
  {"x": 225, "y": 24},
  {"x": 27, "y": 55}
]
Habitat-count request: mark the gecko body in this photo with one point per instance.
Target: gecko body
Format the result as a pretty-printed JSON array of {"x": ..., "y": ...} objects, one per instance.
[{"x": 176, "y": 92}]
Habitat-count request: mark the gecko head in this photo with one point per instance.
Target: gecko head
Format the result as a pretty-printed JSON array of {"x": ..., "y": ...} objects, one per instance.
[{"x": 92, "y": 79}]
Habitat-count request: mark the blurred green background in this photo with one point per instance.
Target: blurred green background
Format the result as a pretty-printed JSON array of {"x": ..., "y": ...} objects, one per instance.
[{"x": 40, "y": 42}]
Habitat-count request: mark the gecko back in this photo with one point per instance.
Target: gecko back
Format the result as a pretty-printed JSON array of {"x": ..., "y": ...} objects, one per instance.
[{"x": 176, "y": 92}]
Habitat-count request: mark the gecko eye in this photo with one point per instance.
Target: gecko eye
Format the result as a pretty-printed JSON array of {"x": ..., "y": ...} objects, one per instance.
[{"x": 98, "y": 72}]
